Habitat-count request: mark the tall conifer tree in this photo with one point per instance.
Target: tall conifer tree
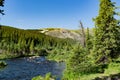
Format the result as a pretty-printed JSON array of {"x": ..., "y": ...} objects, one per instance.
[{"x": 107, "y": 33}]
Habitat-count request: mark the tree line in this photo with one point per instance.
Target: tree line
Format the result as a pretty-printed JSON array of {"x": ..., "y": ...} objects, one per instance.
[{"x": 27, "y": 41}]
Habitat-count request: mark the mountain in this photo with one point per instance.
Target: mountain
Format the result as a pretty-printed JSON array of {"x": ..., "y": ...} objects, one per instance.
[
  {"x": 61, "y": 33},
  {"x": 75, "y": 35}
]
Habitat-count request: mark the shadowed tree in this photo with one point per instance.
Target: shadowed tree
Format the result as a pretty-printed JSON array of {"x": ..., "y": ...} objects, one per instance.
[
  {"x": 1, "y": 12},
  {"x": 1, "y": 5}
]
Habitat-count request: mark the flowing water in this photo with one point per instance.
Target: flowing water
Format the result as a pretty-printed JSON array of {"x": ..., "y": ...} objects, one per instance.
[{"x": 27, "y": 68}]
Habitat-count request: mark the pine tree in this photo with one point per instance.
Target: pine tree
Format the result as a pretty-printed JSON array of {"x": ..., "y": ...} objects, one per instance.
[
  {"x": 88, "y": 41},
  {"x": 32, "y": 46},
  {"x": 107, "y": 33}
]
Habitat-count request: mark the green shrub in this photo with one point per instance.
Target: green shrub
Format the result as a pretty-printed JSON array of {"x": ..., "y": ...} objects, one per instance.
[
  {"x": 80, "y": 62},
  {"x": 47, "y": 77},
  {"x": 2, "y": 64},
  {"x": 43, "y": 52}
]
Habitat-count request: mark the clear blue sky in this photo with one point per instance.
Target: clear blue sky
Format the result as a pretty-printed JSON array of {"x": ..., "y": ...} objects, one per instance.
[{"x": 35, "y": 14}]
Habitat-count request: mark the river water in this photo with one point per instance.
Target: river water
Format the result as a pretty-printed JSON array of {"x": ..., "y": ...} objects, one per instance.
[{"x": 27, "y": 68}]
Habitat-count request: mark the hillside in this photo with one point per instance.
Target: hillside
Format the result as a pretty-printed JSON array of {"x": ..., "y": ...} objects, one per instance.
[
  {"x": 22, "y": 41},
  {"x": 61, "y": 33},
  {"x": 64, "y": 33}
]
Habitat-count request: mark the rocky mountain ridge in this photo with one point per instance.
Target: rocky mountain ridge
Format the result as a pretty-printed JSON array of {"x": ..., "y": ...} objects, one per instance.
[{"x": 62, "y": 33}]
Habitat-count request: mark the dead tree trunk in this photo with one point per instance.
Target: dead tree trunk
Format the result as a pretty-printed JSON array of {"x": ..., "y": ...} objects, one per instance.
[{"x": 82, "y": 31}]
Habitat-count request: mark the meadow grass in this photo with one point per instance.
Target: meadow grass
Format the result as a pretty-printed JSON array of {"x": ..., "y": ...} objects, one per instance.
[{"x": 113, "y": 68}]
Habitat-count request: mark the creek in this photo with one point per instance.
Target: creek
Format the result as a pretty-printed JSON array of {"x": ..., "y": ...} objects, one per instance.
[{"x": 28, "y": 67}]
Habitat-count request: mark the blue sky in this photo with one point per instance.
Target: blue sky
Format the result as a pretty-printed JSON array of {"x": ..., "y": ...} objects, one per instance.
[{"x": 36, "y": 14}]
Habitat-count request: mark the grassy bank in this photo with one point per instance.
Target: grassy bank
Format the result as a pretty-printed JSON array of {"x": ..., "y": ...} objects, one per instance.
[
  {"x": 58, "y": 55},
  {"x": 47, "y": 77},
  {"x": 4, "y": 56},
  {"x": 113, "y": 68}
]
